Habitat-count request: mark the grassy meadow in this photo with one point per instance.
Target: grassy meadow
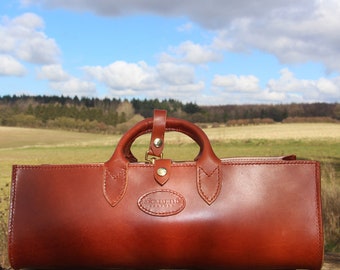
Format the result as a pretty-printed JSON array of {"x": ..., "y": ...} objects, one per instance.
[{"x": 319, "y": 141}]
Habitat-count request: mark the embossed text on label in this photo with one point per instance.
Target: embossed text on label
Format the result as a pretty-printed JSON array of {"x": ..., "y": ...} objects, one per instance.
[{"x": 163, "y": 202}]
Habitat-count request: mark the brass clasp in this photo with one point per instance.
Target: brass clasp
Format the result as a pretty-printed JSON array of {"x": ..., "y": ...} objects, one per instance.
[{"x": 151, "y": 158}]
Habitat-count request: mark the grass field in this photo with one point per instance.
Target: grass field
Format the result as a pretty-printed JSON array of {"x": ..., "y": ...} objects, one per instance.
[{"x": 319, "y": 141}]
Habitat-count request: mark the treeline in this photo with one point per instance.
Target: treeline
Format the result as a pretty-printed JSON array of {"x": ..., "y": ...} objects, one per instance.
[
  {"x": 278, "y": 112},
  {"x": 85, "y": 114},
  {"x": 116, "y": 115}
]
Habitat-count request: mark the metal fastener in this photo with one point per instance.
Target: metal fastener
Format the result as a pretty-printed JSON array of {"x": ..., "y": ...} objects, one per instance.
[
  {"x": 162, "y": 171},
  {"x": 157, "y": 142}
]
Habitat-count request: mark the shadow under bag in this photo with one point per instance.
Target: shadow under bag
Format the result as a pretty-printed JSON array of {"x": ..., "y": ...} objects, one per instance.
[{"x": 210, "y": 213}]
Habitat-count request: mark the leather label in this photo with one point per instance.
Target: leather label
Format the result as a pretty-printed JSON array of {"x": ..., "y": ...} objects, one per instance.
[{"x": 162, "y": 203}]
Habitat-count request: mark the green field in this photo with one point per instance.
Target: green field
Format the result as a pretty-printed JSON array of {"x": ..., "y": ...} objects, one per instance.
[
  {"x": 319, "y": 141},
  {"x": 38, "y": 146}
]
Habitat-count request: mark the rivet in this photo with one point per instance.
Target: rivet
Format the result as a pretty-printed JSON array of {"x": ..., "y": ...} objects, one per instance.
[
  {"x": 157, "y": 142},
  {"x": 162, "y": 171}
]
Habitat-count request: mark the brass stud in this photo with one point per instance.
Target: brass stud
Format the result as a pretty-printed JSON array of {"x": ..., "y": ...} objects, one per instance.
[
  {"x": 162, "y": 172},
  {"x": 157, "y": 142}
]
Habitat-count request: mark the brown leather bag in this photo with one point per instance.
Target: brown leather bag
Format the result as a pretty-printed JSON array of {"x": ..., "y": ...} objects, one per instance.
[{"x": 232, "y": 213}]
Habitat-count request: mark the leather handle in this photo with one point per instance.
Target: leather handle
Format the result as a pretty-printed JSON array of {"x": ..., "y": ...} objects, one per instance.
[
  {"x": 208, "y": 164},
  {"x": 172, "y": 124}
]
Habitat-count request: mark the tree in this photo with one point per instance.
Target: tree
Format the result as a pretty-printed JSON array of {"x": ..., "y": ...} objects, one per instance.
[
  {"x": 336, "y": 111},
  {"x": 191, "y": 108}
]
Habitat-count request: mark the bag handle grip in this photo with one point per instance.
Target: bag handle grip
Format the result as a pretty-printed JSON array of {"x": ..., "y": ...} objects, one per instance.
[
  {"x": 172, "y": 124},
  {"x": 208, "y": 172}
]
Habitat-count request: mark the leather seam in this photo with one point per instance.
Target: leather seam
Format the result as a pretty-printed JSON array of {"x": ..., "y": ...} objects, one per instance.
[
  {"x": 318, "y": 204},
  {"x": 12, "y": 213},
  {"x": 146, "y": 166},
  {"x": 57, "y": 167},
  {"x": 276, "y": 162},
  {"x": 224, "y": 163}
]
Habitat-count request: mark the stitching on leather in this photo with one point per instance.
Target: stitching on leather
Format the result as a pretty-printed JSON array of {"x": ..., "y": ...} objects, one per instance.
[
  {"x": 317, "y": 247},
  {"x": 104, "y": 187},
  {"x": 146, "y": 165},
  {"x": 232, "y": 163},
  {"x": 275, "y": 162},
  {"x": 206, "y": 197},
  {"x": 12, "y": 213},
  {"x": 318, "y": 204},
  {"x": 168, "y": 213},
  {"x": 113, "y": 202},
  {"x": 57, "y": 167},
  {"x": 122, "y": 174}
]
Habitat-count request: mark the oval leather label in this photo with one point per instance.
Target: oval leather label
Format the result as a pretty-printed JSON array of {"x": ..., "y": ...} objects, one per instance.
[{"x": 162, "y": 203}]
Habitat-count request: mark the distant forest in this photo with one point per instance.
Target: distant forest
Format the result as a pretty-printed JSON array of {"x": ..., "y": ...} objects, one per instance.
[{"x": 116, "y": 115}]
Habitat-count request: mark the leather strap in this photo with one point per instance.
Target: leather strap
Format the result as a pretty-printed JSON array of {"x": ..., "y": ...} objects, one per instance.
[
  {"x": 162, "y": 170},
  {"x": 157, "y": 135}
]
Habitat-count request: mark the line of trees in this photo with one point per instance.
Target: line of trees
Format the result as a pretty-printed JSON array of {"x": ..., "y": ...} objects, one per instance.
[{"x": 109, "y": 115}]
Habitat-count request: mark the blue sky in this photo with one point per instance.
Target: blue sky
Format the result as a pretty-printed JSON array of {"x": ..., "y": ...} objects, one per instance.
[{"x": 224, "y": 52}]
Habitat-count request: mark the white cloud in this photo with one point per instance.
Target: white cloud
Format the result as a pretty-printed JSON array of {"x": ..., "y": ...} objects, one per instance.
[
  {"x": 64, "y": 83},
  {"x": 234, "y": 83},
  {"x": 22, "y": 38},
  {"x": 164, "y": 80},
  {"x": 74, "y": 87},
  {"x": 267, "y": 96},
  {"x": 288, "y": 83},
  {"x": 10, "y": 67},
  {"x": 196, "y": 53},
  {"x": 295, "y": 34},
  {"x": 175, "y": 74},
  {"x": 294, "y": 31},
  {"x": 27, "y": 21},
  {"x": 302, "y": 90},
  {"x": 287, "y": 88},
  {"x": 328, "y": 87},
  {"x": 53, "y": 73},
  {"x": 191, "y": 53},
  {"x": 121, "y": 75}
]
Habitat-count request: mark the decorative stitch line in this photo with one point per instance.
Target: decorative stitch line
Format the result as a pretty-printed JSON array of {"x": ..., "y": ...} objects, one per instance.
[
  {"x": 318, "y": 203},
  {"x": 12, "y": 213},
  {"x": 276, "y": 162},
  {"x": 144, "y": 166},
  {"x": 58, "y": 167},
  {"x": 206, "y": 197},
  {"x": 122, "y": 174}
]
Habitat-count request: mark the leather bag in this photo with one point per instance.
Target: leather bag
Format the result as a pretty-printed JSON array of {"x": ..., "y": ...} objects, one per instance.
[{"x": 209, "y": 213}]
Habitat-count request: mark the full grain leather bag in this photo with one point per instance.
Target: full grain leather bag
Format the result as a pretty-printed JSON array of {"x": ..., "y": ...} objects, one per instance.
[{"x": 232, "y": 213}]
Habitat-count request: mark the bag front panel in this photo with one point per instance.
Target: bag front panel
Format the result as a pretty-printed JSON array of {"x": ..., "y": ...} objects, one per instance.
[{"x": 267, "y": 214}]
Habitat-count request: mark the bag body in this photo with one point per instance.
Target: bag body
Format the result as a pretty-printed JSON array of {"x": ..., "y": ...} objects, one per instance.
[{"x": 210, "y": 213}]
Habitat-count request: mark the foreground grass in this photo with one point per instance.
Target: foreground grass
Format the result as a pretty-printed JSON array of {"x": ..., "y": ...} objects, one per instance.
[{"x": 308, "y": 141}]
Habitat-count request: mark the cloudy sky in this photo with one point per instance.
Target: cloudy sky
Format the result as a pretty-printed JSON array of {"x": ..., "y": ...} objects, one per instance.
[{"x": 207, "y": 52}]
